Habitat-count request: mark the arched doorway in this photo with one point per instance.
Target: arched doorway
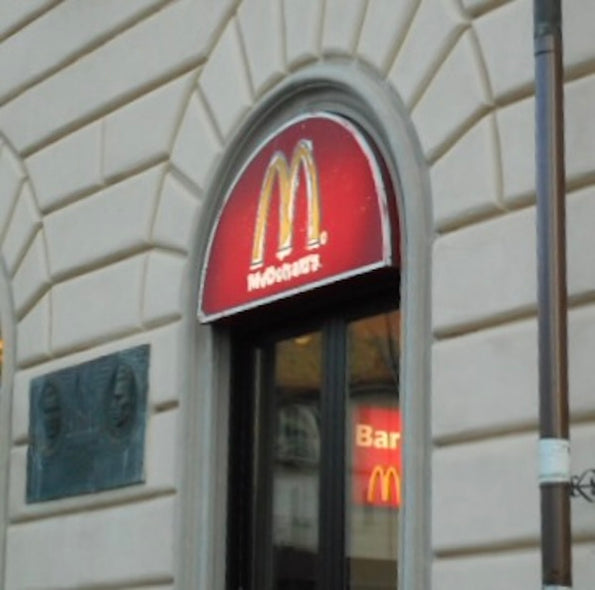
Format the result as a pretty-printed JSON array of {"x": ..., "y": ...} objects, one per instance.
[
  {"x": 357, "y": 96},
  {"x": 304, "y": 265}
]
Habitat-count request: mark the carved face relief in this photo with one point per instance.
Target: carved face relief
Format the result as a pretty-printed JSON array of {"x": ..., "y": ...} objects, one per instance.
[{"x": 122, "y": 401}]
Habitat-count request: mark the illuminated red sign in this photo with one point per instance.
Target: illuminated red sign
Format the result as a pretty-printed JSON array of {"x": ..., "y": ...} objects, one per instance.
[
  {"x": 377, "y": 465},
  {"x": 309, "y": 208}
]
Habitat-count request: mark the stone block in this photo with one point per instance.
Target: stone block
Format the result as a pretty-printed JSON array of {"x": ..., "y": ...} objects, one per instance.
[
  {"x": 20, "y": 398},
  {"x": 383, "y": 30},
  {"x": 229, "y": 96},
  {"x": 197, "y": 147},
  {"x": 581, "y": 369},
  {"x": 342, "y": 26},
  {"x": 177, "y": 216},
  {"x": 261, "y": 26},
  {"x": 580, "y": 208},
  {"x": 583, "y": 564},
  {"x": 510, "y": 569},
  {"x": 143, "y": 131},
  {"x": 512, "y": 22},
  {"x": 455, "y": 97},
  {"x": 486, "y": 271},
  {"x": 167, "y": 373},
  {"x": 111, "y": 222},
  {"x": 582, "y": 439},
  {"x": 32, "y": 277},
  {"x": 516, "y": 568},
  {"x": 303, "y": 22},
  {"x": 163, "y": 292},
  {"x": 162, "y": 438},
  {"x": 466, "y": 180},
  {"x": 116, "y": 546},
  {"x": 12, "y": 177},
  {"x": 485, "y": 382},
  {"x": 53, "y": 173},
  {"x": 578, "y": 45},
  {"x": 516, "y": 125},
  {"x": 119, "y": 69},
  {"x": 62, "y": 32},
  {"x": 98, "y": 306},
  {"x": 476, "y": 508},
  {"x": 580, "y": 127},
  {"x": 477, "y": 6},
  {"x": 33, "y": 334},
  {"x": 14, "y": 12},
  {"x": 432, "y": 32},
  {"x": 24, "y": 223},
  {"x": 485, "y": 493}
]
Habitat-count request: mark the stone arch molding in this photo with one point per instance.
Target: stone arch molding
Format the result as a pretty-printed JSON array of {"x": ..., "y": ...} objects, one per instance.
[
  {"x": 24, "y": 253},
  {"x": 14, "y": 245}
]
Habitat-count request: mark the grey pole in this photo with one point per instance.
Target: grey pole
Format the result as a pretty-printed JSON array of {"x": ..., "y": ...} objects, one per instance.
[{"x": 552, "y": 298}]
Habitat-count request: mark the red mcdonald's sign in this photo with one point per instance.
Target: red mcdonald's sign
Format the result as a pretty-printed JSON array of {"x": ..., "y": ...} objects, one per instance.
[
  {"x": 377, "y": 466},
  {"x": 308, "y": 209}
]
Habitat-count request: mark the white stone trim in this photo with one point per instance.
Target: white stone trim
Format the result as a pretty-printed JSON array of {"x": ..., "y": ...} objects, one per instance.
[{"x": 9, "y": 335}]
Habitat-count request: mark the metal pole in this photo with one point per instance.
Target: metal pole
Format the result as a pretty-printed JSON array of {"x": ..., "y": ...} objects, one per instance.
[{"x": 554, "y": 468}]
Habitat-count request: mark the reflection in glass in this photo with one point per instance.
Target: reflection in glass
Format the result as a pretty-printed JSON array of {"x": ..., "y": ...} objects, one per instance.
[
  {"x": 374, "y": 471},
  {"x": 296, "y": 468}
]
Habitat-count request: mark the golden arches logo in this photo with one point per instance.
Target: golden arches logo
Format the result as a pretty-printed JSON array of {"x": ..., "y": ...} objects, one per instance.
[
  {"x": 287, "y": 176},
  {"x": 384, "y": 476}
]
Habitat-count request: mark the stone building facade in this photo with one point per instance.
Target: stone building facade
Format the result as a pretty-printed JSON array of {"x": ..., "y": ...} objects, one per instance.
[{"x": 119, "y": 120}]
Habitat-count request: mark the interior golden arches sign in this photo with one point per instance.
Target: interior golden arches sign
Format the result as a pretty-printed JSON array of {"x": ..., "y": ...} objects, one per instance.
[
  {"x": 309, "y": 208},
  {"x": 377, "y": 459},
  {"x": 386, "y": 480}
]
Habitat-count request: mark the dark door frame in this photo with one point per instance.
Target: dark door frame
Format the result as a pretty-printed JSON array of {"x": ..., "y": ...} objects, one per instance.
[{"x": 252, "y": 409}]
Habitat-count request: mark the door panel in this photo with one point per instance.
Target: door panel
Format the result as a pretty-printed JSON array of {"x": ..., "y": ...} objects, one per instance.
[
  {"x": 296, "y": 468},
  {"x": 324, "y": 442},
  {"x": 374, "y": 460}
]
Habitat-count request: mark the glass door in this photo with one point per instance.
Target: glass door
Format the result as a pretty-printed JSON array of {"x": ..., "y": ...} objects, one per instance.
[
  {"x": 315, "y": 489},
  {"x": 295, "y": 469},
  {"x": 374, "y": 473}
]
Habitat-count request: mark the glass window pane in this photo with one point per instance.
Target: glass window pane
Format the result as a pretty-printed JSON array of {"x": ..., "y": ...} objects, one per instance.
[
  {"x": 296, "y": 465},
  {"x": 374, "y": 470}
]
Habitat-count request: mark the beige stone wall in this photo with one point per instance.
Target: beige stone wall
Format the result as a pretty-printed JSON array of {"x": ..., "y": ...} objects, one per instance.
[{"x": 113, "y": 116}]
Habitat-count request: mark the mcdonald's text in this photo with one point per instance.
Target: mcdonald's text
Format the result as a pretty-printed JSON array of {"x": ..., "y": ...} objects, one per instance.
[{"x": 283, "y": 273}]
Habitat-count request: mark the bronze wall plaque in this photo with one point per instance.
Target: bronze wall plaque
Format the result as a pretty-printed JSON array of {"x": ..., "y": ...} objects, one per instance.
[{"x": 87, "y": 426}]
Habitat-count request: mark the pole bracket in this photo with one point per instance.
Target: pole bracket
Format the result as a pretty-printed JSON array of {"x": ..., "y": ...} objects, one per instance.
[{"x": 583, "y": 485}]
